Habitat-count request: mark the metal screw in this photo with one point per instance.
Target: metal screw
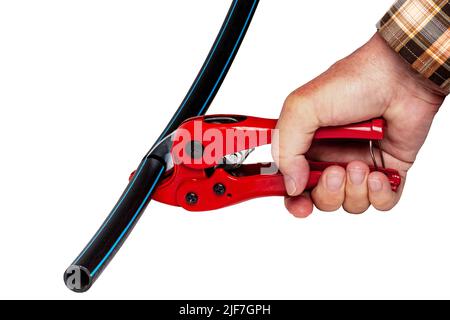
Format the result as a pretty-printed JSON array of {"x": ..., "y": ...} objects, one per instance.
[
  {"x": 192, "y": 198},
  {"x": 220, "y": 189}
]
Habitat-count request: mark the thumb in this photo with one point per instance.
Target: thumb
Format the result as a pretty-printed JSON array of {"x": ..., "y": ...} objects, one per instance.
[{"x": 292, "y": 139}]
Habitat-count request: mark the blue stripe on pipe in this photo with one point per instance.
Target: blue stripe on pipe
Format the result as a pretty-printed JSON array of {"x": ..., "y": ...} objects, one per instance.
[
  {"x": 205, "y": 66},
  {"x": 129, "y": 224},
  {"x": 204, "y": 106},
  {"x": 164, "y": 133},
  {"x": 113, "y": 212},
  {"x": 229, "y": 59}
]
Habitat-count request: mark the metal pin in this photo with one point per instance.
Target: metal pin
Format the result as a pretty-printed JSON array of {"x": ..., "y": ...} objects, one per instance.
[
  {"x": 373, "y": 156},
  {"x": 383, "y": 163}
]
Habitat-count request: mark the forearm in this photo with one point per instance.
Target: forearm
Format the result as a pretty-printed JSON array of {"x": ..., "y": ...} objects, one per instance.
[{"x": 419, "y": 31}]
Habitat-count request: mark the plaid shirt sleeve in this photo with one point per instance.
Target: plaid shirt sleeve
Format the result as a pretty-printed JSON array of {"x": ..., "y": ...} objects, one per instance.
[{"x": 419, "y": 30}]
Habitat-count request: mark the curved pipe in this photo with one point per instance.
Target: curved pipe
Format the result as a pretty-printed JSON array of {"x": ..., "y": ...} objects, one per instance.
[{"x": 86, "y": 269}]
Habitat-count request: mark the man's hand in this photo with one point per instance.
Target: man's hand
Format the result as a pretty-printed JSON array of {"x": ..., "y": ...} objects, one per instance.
[{"x": 372, "y": 82}]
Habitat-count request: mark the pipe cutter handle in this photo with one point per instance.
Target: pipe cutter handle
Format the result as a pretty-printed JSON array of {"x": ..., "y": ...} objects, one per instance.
[{"x": 201, "y": 181}]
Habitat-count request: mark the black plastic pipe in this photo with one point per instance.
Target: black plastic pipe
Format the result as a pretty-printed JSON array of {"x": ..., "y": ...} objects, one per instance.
[{"x": 86, "y": 269}]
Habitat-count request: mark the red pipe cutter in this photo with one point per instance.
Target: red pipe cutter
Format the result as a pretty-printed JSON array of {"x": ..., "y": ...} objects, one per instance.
[{"x": 206, "y": 155}]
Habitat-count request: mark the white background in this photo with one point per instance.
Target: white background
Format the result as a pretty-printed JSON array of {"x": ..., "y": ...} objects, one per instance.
[{"x": 85, "y": 89}]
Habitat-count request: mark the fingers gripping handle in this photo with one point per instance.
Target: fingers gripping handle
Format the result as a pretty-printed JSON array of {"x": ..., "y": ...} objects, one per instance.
[
  {"x": 317, "y": 169},
  {"x": 194, "y": 196}
]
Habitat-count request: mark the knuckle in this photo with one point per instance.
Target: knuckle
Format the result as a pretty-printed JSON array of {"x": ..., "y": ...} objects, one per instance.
[
  {"x": 299, "y": 102},
  {"x": 355, "y": 209},
  {"x": 356, "y": 202},
  {"x": 328, "y": 207},
  {"x": 384, "y": 205},
  {"x": 291, "y": 103},
  {"x": 326, "y": 203}
]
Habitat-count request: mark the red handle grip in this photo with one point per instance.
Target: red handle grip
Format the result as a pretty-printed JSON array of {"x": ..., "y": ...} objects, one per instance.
[
  {"x": 369, "y": 130},
  {"x": 273, "y": 185},
  {"x": 250, "y": 185}
]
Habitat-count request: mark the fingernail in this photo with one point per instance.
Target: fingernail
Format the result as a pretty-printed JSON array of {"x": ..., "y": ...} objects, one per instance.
[
  {"x": 375, "y": 185},
  {"x": 291, "y": 187},
  {"x": 335, "y": 181},
  {"x": 357, "y": 176}
]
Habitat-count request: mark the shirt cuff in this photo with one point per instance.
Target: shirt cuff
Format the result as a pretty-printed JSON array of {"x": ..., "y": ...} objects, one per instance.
[{"x": 419, "y": 31}]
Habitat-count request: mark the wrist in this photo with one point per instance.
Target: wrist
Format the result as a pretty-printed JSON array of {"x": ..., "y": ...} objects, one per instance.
[{"x": 398, "y": 74}]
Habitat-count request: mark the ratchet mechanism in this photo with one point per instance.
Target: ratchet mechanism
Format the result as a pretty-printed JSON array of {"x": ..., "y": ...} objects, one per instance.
[{"x": 205, "y": 161}]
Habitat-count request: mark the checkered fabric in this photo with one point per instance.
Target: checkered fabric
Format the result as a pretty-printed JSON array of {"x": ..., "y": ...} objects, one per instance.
[{"x": 419, "y": 30}]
